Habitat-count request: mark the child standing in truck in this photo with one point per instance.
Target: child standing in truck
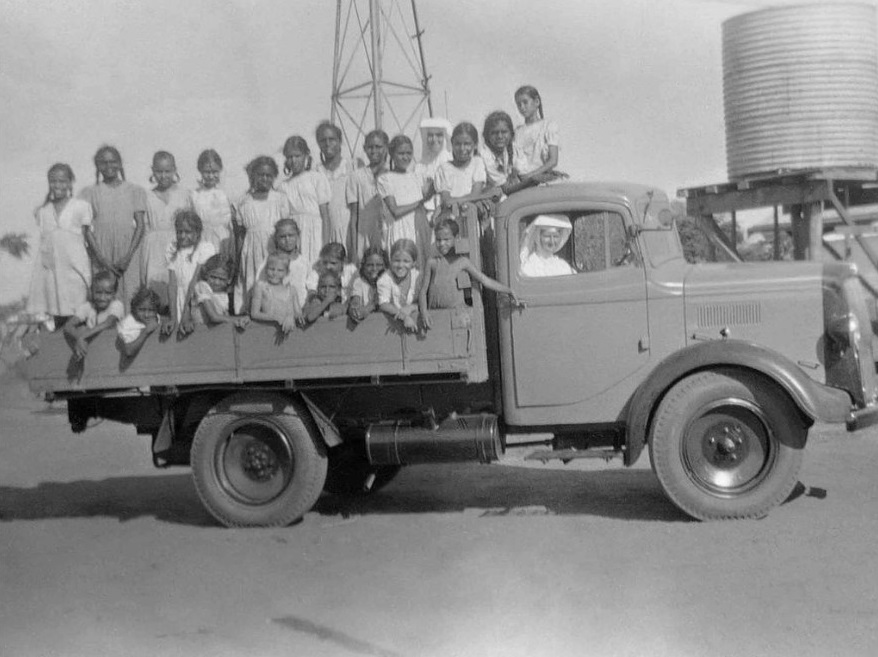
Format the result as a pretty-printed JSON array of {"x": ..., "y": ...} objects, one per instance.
[
  {"x": 140, "y": 323},
  {"x": 365, "y": 204},
  {"x": 439, "y": 287},
  {"x": 212, "y": 204},
  {"x": 274, "y": 300},
  {"x": 286, "y": 242},
  {"x": 405, "y": 193},
  {"x": 102, "y": 312},
  {"x": 465, "y": 174},
  {"x": 397, "y": 287},
  {"x": 184, "y": 258},
  {"x": 364, "y": 290},
  {"x": 332, "y": 258}
]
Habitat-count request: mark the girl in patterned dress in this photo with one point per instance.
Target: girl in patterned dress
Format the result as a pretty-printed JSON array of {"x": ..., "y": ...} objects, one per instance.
[
  {"x": 309, "y": 195},
  {"x": 255, "y": 217},
  {"x": 162, "y": 204}
]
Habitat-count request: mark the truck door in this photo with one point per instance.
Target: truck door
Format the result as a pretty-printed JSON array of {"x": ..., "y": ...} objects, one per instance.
[{"x": 582, "y": 334}]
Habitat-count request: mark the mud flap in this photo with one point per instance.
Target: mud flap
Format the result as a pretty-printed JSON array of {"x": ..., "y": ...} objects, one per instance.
[{"x": 327, "y": 429}]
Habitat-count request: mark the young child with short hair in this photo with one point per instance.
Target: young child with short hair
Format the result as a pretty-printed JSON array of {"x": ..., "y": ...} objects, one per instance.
[
  {"x": 326, "y": 301},
  {"x": 333, "y": 258},
  {"x": 364, "y": 291},
  {"x": 140, "y": 323},
  {"x": 102, "y": 312},
  {"x": 210, "y": 295},
  {"x": 439, "y": 286},
  {"x": 274, "y": 300},
  {"x": 185, "y": 256},
  {"x": 397, "y": 287}
]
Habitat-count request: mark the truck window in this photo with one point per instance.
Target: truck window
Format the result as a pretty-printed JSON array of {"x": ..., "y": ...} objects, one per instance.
[{"x": 600, "y": 242}]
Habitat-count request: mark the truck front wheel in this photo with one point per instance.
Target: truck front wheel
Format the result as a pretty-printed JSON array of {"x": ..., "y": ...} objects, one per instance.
[
  {"x": 727, "y": 444},
  {"x": 256, "y": 461}
]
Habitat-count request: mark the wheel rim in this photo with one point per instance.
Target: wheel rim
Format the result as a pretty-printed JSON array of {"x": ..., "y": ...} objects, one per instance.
[
  {"x": 254, "y": 462},
  {"x": 729, "y": 449}
]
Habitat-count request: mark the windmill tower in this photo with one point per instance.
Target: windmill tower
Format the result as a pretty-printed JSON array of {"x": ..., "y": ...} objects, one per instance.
[{"x": 379, "y": 78}]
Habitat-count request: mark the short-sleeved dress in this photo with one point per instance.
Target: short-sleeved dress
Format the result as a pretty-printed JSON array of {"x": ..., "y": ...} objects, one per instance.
[
  {"x": 258, "y": 218},
  {"x": 362, "y": 190},
  {"x": 129, "y": 329},
  {"x": 339, "y": 213},
  {"x": 498, "y": 167},
  {"x": 91, "y": 317},
  {"x": 113, "y": 208},
  {"x": 296, "y": 278},
  {"x": 160, "y": 233},
  {"x": 360, "y": 287},
  {"x": 203, "y": 293},
  {"x": 531, "y": 144},
  {"x": 389, "y": 291},
  {"x": 458, "y": 181},
  {"x": 62, "y": 272},
  {"x": 215, "y": 210},
  {"x": 306, "y": 193},
  {"x": 405, "y": 188},
  {"x": 184, "y": 263}
]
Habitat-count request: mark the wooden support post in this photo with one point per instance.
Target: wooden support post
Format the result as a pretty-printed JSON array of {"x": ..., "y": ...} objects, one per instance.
[
  {"x": 814, "y": 214},
  {"x": 776, "y": 250},
  {"x": 801, "y": 233}
]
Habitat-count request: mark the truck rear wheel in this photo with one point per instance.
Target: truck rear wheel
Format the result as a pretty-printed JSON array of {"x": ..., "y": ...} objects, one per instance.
[
  {"x": 256, "y": 461},
  {"x": 727, "y": 444}
]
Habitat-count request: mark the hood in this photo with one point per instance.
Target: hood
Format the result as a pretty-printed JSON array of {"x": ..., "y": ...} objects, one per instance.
[{"x": 750, "y": 278}]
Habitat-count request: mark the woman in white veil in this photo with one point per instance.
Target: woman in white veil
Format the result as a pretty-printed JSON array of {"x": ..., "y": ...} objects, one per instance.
[
  {"x": 543, "y": 238},
  {"x": 435, "y": 149}
]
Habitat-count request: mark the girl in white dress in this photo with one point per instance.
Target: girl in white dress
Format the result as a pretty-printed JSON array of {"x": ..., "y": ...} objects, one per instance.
[
  {"x": 404, "y": 193},
  {"x": 212, "y": 204},
  {"x": 398, "y": 286},
  {"x": 465, "y": 174},
  {"x": 255, "y": 217},
  {"x": 536, "y": 140},
  {"x": 162, "y": 204},
  {"x": 210, "y": 295},
  {"x": 62, "y": 271},
  {"x": 309, "y": 195},
  {"x": 184, "y": 258}
]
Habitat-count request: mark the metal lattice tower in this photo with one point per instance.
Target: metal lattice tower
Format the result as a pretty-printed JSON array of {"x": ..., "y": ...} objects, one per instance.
[{"x": 379, "y": 78}]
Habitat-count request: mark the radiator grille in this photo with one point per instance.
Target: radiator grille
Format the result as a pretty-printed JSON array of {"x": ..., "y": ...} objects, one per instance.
[{"x": 729, "y": 314}]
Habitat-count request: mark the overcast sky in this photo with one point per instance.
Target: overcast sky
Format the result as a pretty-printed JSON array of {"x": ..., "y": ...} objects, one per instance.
[{"x": 635, "y": 85}]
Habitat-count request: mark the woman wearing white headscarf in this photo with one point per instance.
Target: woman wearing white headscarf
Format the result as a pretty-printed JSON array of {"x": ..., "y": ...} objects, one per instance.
[
  {"x": 435, "y": 149},
  {"x": 543, "y": 238}
]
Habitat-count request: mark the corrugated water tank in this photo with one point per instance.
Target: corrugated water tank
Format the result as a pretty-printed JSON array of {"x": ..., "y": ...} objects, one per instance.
[{"x": 800, "y": 88}]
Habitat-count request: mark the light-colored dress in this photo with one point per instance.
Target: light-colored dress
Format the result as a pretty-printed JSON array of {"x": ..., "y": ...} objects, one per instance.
[
  {"x": 296, "y": 278},
  {"x": 348, "y": 273},
  {"x": 113, "y": 208},
  {"x": 91, "y": 317},
  {"x": 306, "y": 193},
  {"x": 62, "y": 272},
  {"x": 202, "y": 293},
  {"x": 362, "y": 190},
  {"x": 215, "y": 210},
  {"x": 339, "y": 214},
  {"x": 184, "y": 263},
  {"x": 531, "y": 144},
  {"x": 536, "y": 265},
  {"x": 129, "y": 329},
  {"x": 458, "y": 181},
  {"x": 258, "y": 218},
  {"x": 360, "y": 287},
  {"x": 498, "y": 167},
  {"x": 159, "y": 234},
  {"x": 389, "y": 291},
  {"x": 405, "y": 188}
]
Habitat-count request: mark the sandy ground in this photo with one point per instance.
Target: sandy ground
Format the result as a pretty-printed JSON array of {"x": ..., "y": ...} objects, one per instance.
[{"x": 100, "y": 554}]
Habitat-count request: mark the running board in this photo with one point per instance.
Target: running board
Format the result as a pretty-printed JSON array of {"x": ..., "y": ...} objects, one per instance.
[{"x": 567, "y": 455}]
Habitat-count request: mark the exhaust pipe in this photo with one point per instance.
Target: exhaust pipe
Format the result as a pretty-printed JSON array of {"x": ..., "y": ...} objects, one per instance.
[{"x": 457, "y": 439}]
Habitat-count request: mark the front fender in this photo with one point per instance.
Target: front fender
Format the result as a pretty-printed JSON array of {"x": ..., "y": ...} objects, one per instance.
[{"x": 816, "y": 401}]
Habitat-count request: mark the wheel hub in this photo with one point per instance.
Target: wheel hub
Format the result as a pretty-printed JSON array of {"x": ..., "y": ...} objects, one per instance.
[{"x": 259, "y": 462}]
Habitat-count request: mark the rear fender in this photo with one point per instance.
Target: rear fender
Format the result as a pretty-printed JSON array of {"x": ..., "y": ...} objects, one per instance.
[{"x": 816, "y": 402}]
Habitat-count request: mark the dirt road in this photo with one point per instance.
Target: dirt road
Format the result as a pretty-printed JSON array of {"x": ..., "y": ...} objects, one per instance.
[{"x": 100, "y": 554}]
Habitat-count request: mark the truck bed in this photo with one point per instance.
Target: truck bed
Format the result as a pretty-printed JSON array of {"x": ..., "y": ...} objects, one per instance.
[{"x": 223, "y": 355}]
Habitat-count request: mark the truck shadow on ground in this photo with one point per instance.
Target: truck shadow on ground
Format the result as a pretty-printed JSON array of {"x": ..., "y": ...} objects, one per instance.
[{"x": 485, "y": 491}]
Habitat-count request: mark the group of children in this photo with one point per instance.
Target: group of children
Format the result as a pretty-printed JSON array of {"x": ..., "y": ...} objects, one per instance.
[{"x": 176, "y": 258}]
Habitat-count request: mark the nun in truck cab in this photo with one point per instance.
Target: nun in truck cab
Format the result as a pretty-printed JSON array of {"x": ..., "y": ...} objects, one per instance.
[{"x": 543, "y": 239}]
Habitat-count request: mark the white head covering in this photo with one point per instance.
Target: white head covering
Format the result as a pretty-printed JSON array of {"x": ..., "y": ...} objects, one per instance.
[
  {"x": 530, "y": 242},
  {"x": 434, "y": 123}
]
